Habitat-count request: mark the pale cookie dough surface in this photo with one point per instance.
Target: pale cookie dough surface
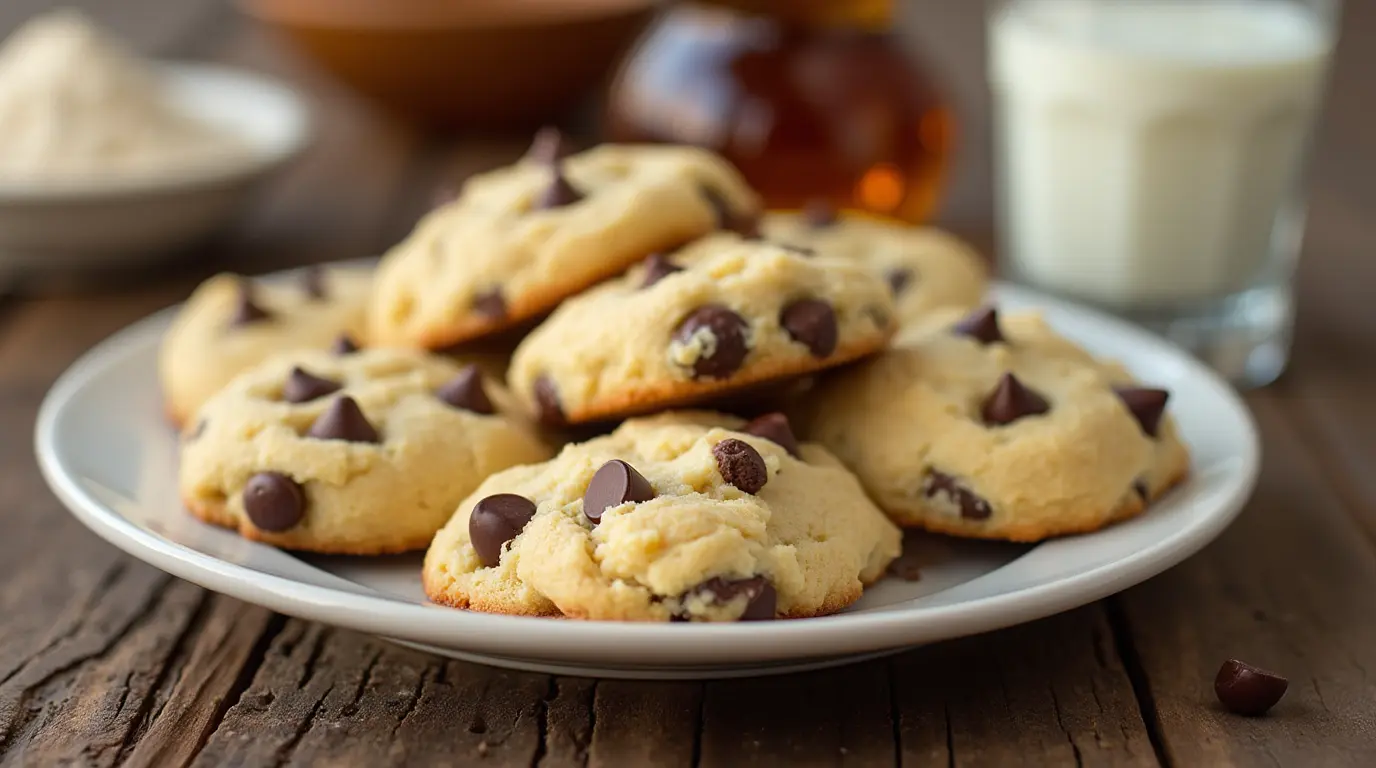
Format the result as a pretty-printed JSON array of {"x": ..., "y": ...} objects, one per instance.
[
  {"x": 625, "y": 348},
  {"x": 205, "y": 348},
  {"x": 925, "y": 267},
  {"x": 809, "y": 531},
  {"x": 437, "y": 287},
  {"x": 912, "y": 425},
  {"x": 358, "y": 497}
]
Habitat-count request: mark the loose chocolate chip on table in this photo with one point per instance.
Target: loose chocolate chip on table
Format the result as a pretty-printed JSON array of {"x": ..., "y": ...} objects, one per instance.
[
  {"x": 819, "y": 213},
  {"x": 559, "y": 193},
  {"x": 741, "y": 465},
  {"x": 496, "y": 520},
  {"x": 1146, "y": 406},
  {"x": 549, "y": 146},
  {"x": 728, "y": 331},
  {"x": 1248, "y": 690},
  {"x": 313, "y": 281},
  {"x": 343, "y": 420},
  {"x": 898, "y": 279},
  {"x": 303, "y": 386},
  {"x": 972, "y": 507},
  {"x": 615, "y": 483},
  {"x": 548, "y": 408},
  {"x": 981, "y": 325},
  {"x": 657, "y": 267},
  {"x": 465, "y": 391},
  {"x": 273, "y": 501},
  {"x": 344, "y": 345},
  {"x": 1011, "y": 400},
  {"x": 775, "y": 428},
  {"x": 761, "y": 598},
  {"x": 246, "y": 310},
  {"x": 812, "y": 323},
  {"x": 490, "y": 304}
]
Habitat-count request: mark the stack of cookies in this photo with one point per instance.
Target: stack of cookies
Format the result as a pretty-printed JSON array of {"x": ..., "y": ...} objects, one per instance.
[{"x": 639, "y": 289}]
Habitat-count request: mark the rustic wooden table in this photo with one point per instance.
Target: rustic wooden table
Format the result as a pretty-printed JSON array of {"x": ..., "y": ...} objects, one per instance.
[{"x": 104, "y": 660}]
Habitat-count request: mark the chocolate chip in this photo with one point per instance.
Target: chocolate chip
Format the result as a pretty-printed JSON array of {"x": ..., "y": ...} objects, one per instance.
[
  {"x": 313, "y": 281},
  {"x": 812, "y": 323},
  {"x": 465, "y": 391},
  {"x": 551, "y": 413},
  {"x": 727, "y": 351},
  {"x": 657, "y": 267},
  {"x": 1141, "y": 489},
  {"x": 496, "y": 520},
  {"x": 549, "y": 146},
  {"x": 741, "y": 465},
  {"x": 981, "y": 325},
  {"x": 246, "y": 311},
  {"x": 1146, "y": 406},
  {"x": 898, "y": 279},
  {"x": 745, "y": 224},
  {"x": 343, "y": 420},
  {"x": 761, "y": 599},
  {"x": 615, "y": 483},
  {"x": 303, "y": 387},
  {"x": 273, "y": 501},
  {"x": 1011, "y": 400},
  {"x": 971, "y": 506},
  {"x": 559, "y": 193},
  {"x": 819, "y": 213},
  {"x": 490, "y": 304},
  {"x": 1248, "y": 690},
  {"x": 775, "y": 428},
  {"x": 344, "y": 345}
]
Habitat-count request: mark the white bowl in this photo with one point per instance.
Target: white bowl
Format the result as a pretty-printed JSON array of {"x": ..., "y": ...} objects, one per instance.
[{"x": 58, "y": 228}]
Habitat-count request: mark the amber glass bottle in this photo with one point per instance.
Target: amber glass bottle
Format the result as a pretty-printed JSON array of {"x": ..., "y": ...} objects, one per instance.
[{"x": 809, "y": 98}]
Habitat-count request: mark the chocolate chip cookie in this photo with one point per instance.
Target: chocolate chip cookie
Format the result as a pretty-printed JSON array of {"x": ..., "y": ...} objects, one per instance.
[
  {"x": 995, "y": 427},
  {"x": 358, "y": 452},
  {"x": 232, "y": 323},
  {"x": 687, "y": 327},
  {"x": 517, "y": 241},
  {"x": 925, "y": 267},
  {"x": 681, "y": 516}
]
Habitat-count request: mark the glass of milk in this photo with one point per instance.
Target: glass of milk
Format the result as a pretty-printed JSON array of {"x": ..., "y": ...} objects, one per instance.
[{"x": 1151, "y": 158}]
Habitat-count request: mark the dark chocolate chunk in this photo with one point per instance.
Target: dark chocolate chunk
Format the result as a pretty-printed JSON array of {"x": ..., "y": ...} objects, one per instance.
[
  {"x": 549, "y": 146},
  {"x": 657, "y": 267},
  {"x": 273, "y": 501},
  {"x": 550, "y": 412},
  {"x": 302, "y": 386},
  {"x": 465, "y": 391},
  {"x": 615, "y": 483},
  {"x": 1248, "y": 690},
  {"x": 490, "y": 304},
  {"x": 819, "y": 213},
  {"x": 971, "y": 506},
  {"x": 775, "y": 428},
  {"x": 344, "y": 345},
  {"x": 559, "y": 193},
  {"x": 496, "y": 520},
  {"x": 981, "y": 325},
  {"x": 761, "y": 598},
  {"x": 343, "y": 420},
  {"x": 313, "y": 281},
  {"x": 812, "y": 323},
  {"x": 728, "y": 330},
  {"x": 741, "y": 465},
  {"x": 246, "y": 310},
  {"x": 1011, "y": 400},
  {"x": 899, "y": 279},
  {"x": 1145, "y": 404}
]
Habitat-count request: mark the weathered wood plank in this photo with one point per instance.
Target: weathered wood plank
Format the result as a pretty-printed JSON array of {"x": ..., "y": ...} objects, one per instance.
[{"x": 646, "y": 724}]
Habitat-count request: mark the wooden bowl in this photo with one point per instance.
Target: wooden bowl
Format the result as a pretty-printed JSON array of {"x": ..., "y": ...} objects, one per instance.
[{"x": 463, "y": 63}]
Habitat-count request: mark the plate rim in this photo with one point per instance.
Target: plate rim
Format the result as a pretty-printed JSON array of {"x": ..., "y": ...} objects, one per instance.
[{"x": 707, "y": 644}]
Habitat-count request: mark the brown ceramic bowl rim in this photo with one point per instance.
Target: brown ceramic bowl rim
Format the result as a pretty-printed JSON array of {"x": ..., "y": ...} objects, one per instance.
[{"x": 494, "y": 14}]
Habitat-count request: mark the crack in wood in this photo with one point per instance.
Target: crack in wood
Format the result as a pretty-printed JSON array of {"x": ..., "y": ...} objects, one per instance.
[{"x": 1141, "y": 687}]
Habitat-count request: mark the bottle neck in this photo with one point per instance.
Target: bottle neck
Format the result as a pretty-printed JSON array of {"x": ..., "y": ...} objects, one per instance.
[{"x": 872, "y": 15}]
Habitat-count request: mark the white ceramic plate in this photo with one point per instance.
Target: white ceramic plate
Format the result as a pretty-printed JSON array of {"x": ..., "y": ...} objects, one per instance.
[
  {"x": 109, "y": 455},
  {"x": 122, "y": 220}
]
